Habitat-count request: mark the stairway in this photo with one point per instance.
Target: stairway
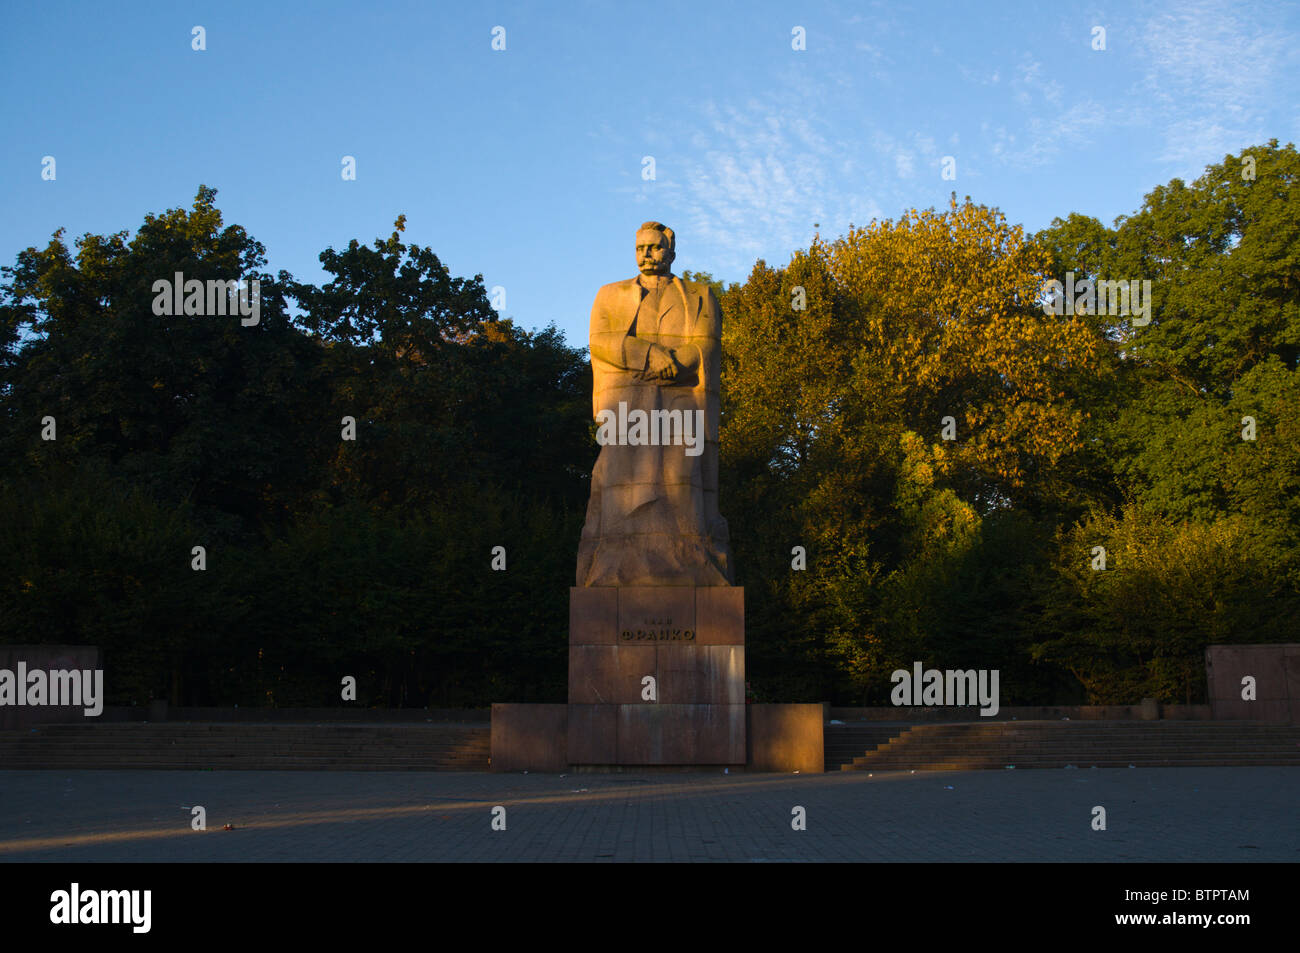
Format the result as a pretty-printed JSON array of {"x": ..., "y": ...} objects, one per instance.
[
  {"x": 462, "y": 746},
  {"x": 844, "y": 742},
  {"x": 1057, "y": 744}
]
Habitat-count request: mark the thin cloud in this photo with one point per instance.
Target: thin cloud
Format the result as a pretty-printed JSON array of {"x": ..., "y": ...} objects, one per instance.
[
  {"x": 1212, "y": 69},
  {"x": 768, "y": 175}
]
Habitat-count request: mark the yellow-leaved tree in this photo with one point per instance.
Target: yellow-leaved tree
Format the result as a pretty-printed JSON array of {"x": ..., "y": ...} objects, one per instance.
[{"x": 884, "y": 393}]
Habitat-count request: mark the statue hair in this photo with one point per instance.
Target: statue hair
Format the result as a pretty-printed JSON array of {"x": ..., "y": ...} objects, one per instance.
[{"x": 664, "y": 230}]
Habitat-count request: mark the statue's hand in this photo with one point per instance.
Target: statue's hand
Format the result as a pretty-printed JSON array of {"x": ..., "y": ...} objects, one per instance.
[{"x": 662, "y": 365}]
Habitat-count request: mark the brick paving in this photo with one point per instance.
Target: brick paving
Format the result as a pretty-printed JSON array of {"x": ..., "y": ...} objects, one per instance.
[{"x": 1153, "y": 814}]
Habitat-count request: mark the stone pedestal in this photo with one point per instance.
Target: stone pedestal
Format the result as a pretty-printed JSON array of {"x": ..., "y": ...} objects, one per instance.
[{"x": 690, "y": 641}]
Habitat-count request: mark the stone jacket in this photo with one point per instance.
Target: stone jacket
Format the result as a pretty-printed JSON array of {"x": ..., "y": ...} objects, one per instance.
[{"x": 618, "y": 357}]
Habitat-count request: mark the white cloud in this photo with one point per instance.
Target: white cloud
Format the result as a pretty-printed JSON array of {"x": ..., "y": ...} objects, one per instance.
[
  {"x": 1031, "y": 83},
  {"x": 1045, "y": 134},
  {"x": 1213, "y": 70},
  {"x": 768, "y": 173}
]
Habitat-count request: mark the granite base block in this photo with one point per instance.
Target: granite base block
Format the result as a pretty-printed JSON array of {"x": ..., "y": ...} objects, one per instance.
[{"x": 656, "y": 734}]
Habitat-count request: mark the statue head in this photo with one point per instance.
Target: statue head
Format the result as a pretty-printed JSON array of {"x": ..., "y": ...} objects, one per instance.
[{"x": 655, "y": 248}]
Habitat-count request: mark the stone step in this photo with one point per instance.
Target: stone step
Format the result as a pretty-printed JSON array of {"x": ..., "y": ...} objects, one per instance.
[
  {"x": 1083, "y": 726},
  {"x": 992, "y": 746},
  {"x": 106, "y": 733},
  {"x": 188, "y": 746},
  {"x": 6, "y": 757},
  {"x": 258, "y": 764},
  {"x": 1072, "y": 757},
  {"x": 1065, "y": 738},
  {"x": 229, "y": 761},
  {"x": 1057, "y": 766},
  {"x": 238, "y": 752},
  {"x": 1065, "y": 745},
  {"x": 227, "y": 745},
  {"x": 1111, "y": 754}
]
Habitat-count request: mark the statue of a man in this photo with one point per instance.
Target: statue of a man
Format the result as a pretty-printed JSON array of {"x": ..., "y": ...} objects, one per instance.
[{"x": 656, "y": 357}]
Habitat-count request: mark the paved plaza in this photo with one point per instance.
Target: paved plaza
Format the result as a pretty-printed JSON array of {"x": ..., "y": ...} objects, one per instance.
[{"x": 1153, "y": 814}]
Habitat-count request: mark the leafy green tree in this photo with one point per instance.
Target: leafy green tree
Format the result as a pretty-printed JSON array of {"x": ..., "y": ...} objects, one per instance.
[
  {"x": 1223, "y": 342},
  {"x": 199, "y": 408},
  {"x": 1138, "y": 627},
  {"x": 442, "y": 391}
]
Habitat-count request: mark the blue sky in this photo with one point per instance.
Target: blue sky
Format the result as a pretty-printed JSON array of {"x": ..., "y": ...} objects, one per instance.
[{"x": 525, "y": 165}]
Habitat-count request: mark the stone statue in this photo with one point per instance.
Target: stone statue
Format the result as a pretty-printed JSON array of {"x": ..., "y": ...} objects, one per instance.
[{"x": 656, "y": 357}]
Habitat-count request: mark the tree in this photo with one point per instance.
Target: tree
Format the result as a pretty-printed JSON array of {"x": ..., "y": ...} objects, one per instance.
[
  {"x": 1222, "y": 345},
  {"x": 199, "y": 408},
  {"x": 841, "y": 368}
]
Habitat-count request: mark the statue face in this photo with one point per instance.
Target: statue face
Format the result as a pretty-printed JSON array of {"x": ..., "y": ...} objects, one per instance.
[{"x": 653, "y": 256}]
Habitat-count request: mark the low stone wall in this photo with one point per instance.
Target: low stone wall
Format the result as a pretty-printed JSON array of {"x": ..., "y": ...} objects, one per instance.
[
  {"x": 163, "y": 712},
  {"x": 46, "y": 658},
  {"x": 530, "y": 737},
  {"x": 787, "y": 738},
  {"x": 1254, "y": 682}
]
